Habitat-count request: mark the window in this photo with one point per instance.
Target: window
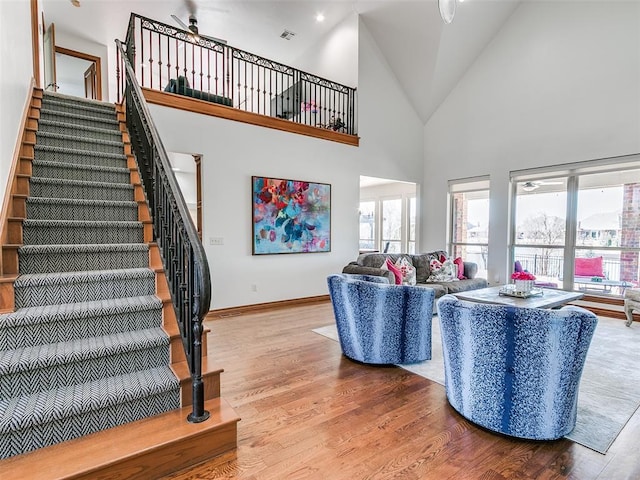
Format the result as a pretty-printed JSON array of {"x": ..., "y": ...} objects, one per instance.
[
  {"x": 367, "y": 225},
  {"x": 392, "y": 225},
  {"x": 411, "y": 214},
  {"x": 388, "y": 220},
  {"x": 580, "y": 230},
  {"x": 469, "y": 224}
]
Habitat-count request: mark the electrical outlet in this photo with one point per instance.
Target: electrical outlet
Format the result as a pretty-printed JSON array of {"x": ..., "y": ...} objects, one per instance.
[
  {"x": 254, "y": 287},
  {"x": 216, "y": 241}
]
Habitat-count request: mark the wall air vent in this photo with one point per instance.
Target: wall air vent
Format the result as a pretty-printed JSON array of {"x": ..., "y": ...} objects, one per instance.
[{"x": 287, "y": 35}]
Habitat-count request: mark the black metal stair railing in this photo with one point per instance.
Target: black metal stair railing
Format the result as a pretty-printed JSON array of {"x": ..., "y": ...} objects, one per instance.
[
  {"x": 185, "y": 263},
  {"x": 178, "y": 61}
]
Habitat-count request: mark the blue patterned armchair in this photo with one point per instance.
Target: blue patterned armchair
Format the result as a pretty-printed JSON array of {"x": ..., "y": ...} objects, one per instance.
[
  {"x": 379, "y": 323},
  {"x": 515, "y": 370}
]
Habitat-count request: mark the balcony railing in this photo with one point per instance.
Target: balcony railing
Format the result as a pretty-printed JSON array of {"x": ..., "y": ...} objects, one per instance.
[{"x": 177, "y": 61}]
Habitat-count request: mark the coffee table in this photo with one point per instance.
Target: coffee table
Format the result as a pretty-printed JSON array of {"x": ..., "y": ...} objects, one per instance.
[{"x": 550, "y": 297}]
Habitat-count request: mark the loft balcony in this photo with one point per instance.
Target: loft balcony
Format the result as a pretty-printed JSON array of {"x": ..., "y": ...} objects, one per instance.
[{"x": 182, "y": 69}]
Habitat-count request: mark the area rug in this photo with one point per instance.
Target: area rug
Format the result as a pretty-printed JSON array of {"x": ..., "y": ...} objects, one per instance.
[{"x": 609, "y": 389}]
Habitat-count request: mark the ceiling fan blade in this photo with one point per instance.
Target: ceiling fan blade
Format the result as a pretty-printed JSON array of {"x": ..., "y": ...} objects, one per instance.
[
  {"x": 189, "y": 29},
  {"x": 214, "y": 39},
  {"x": 180, "y": 22}
]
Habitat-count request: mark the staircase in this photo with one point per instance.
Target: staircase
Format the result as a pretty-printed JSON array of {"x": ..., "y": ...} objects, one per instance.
[{"x": 92, "y": 343}]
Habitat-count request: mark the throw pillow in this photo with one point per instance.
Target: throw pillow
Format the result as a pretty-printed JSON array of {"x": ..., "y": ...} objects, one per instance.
[
  {"x": 589, "y": 267},
  {"x": 407, "y": 270},
  {"x": 458, "y": 261},
  {"x": 397, "y": 274},
  {"x": 448, "y": 272}
]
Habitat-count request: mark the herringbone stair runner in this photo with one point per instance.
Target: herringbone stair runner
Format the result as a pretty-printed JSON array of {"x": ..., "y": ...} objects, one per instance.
[{"x": 84, "y": 351}]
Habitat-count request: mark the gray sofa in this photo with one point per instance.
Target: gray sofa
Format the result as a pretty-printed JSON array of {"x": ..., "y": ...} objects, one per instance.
[{"x": 369, "y": 264}]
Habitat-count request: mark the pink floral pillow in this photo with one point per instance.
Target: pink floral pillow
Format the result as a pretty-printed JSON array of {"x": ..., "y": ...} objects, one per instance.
[
  {"x": 388, "y": 265},
  {"x": 458, "y": 261}
]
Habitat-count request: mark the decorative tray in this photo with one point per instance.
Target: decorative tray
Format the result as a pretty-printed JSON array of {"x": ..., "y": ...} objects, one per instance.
[{"x": 509, "y": 291}]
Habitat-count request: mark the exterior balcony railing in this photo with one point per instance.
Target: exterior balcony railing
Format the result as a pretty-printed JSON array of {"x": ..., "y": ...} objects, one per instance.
[{"x": 169, "y": 59}]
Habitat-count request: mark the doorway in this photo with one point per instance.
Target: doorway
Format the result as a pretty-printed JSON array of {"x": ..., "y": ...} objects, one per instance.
[
  {"x": 388, "y": 216},
  {"x": 78, "y": 74}
]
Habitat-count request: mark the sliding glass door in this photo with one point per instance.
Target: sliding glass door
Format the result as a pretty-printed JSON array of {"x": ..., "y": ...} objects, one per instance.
[
  {"x": 607, "y": 232},
  {"x": 579, "y": 230}
]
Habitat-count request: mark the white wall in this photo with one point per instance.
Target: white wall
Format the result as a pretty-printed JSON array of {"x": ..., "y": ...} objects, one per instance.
[
  {"x": 232, "y": 152},
  {"x": 559, "y": 83},
  {"x": 335, "y": 57},
  {"x": 16, "y": 71}
]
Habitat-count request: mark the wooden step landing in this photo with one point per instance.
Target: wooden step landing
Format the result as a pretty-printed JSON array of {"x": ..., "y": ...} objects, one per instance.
[{"x": 149, "y": 448}]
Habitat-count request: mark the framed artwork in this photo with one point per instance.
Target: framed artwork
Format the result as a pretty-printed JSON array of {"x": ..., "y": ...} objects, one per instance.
[{"x": 290, "y": 216}]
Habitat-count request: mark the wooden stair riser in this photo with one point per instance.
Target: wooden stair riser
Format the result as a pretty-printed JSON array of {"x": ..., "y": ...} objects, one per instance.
[
  {"x": 210, "y": 379},
  {"x": 10, "y": 264},
  {"x": 7, "y": 295}
]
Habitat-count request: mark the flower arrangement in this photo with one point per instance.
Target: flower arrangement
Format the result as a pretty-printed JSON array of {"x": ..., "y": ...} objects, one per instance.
[{"x": 522, "y": 276}]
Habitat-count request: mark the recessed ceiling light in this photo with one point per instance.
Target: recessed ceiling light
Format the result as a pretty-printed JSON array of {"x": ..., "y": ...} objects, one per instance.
[
  {"x": 75, "y": 3},
  {"x": 319, "y": 17}
]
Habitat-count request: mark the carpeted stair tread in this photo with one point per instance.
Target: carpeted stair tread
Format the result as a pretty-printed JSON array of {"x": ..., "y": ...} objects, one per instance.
[
  {"x": 63, "y": 188},
  {"x": 84, "y": 183},
  {"x": 41, "y": 356},
  {"x": 60, "y": 232},
  {"x": 20, "y": 413},
  {"x": 61, "y": 97},
  {"x": 81, "y": 108},
  {"x": 70, "y": 287},
  {"x": 43, "y": 279},
  {"x": 78, "y": 257},
  {"x": 80, "y": 131},
  {"x": 44, "y": 208},
  {"x": 65, "y": 312},
  {"x": 25, "y": 371},
  {"x": 75, "y": 151},
  {"x": 79, "y": 118},
  {"x": 73, "y": 138},
  {"x": 79, "y": 143},
  {"x": 80, "y": 172},
  {"x": 69, "y": 321}
]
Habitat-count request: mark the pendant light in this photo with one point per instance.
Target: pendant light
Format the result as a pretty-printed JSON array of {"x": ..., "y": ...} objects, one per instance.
[{"x": 447, "y": 10}]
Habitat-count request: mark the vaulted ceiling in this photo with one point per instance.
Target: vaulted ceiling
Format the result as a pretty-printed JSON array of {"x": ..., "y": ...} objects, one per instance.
[{"x": 427, "y": 56}]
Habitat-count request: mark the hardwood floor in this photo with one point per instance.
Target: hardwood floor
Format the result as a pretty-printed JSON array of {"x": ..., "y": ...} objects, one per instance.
[{"x": 310, "y": 413}]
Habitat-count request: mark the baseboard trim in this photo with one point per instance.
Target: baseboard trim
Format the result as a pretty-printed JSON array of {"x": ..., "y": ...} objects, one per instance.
[{"x": 220, "y": 313}]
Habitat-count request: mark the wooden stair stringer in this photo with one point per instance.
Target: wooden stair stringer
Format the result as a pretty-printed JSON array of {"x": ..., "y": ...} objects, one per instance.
[{"x": 14, "y": 204}]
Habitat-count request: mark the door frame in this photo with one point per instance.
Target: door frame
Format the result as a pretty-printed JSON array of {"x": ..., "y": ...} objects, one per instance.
[{"x": 91, "y": 58}]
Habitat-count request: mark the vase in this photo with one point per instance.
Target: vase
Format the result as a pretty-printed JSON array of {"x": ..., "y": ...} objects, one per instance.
[{"x": 524, "y": 286}]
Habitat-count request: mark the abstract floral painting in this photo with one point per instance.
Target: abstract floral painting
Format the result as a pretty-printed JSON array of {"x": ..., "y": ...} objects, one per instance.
[{"x": 290, "y": 216}]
